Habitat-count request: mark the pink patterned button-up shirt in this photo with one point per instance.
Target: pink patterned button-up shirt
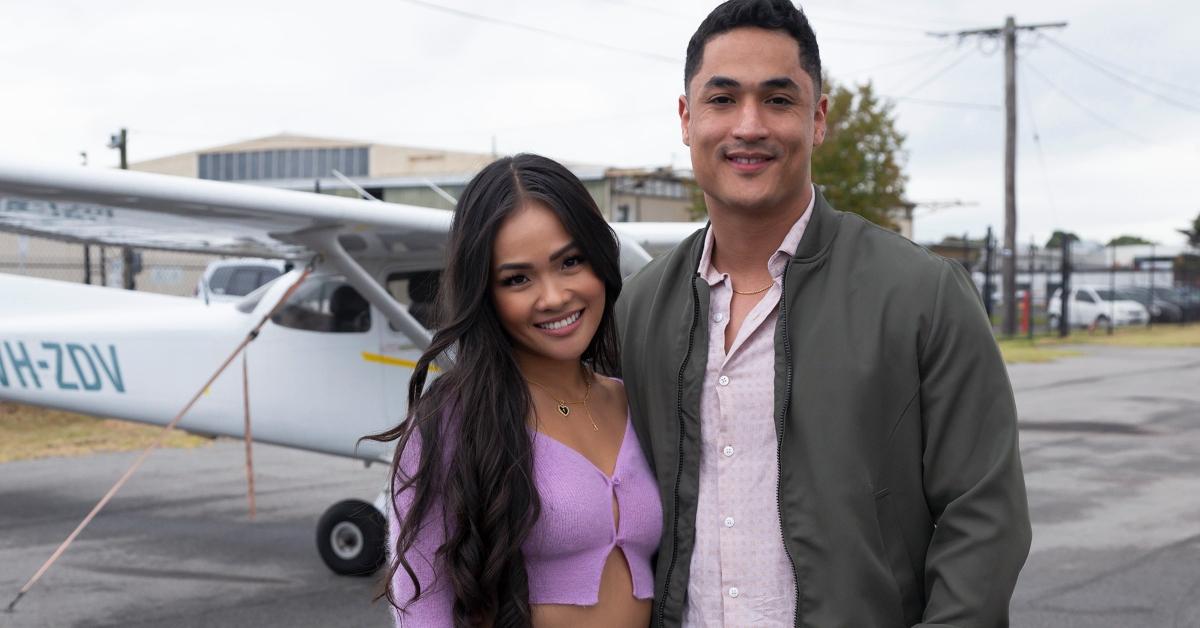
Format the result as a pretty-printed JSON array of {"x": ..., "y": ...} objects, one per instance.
[{"x": 740, "y": 572}]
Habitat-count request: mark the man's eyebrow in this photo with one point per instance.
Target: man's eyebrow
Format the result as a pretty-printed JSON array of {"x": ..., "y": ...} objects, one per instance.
[
  {"x": 781, "y": 82},
  {"x": 725, "y": 82},
  {"x": 722, "y": 82},
  {"x": 572, "y": 245}
]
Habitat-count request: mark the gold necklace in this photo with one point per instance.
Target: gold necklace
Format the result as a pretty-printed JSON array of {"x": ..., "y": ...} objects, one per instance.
[
  {"x": 563, "y": 405},
  {"x": 760, "y": 290}
]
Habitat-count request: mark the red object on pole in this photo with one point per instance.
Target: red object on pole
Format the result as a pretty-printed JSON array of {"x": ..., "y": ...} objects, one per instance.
[{"x": 1025, "y": 308}]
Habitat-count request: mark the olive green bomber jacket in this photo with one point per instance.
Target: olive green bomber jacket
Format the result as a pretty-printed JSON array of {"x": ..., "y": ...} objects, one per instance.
[{"x": 901, "y": 496}]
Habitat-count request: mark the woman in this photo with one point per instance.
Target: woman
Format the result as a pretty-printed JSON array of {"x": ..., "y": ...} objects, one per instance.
[{"x": 522, "y": 497}]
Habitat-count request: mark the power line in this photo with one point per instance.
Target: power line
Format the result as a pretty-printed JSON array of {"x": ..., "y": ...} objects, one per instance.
[
  {"x": 907, "y": 78},
  {"x": 875, "y": 42},
  {"x": 874, "y": 25},
  {"x": 1080, "y": 105},
  {"x": 1037, "y": 142},
  {"x": 1122, "y": 68},
  {"x": 946, "y": 103},
  {"x": 1122, "y": 79},
  {"x": 939, "y": 73},
  {"x": 937, "y": 52},
  {"x": 897, "y": 17},
  {"x": 821, "y": 19},
  {"x": 543, "y": 31}
]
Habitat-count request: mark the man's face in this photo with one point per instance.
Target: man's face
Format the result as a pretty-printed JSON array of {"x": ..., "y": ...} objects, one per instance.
[{"x": 751, "y": 119}]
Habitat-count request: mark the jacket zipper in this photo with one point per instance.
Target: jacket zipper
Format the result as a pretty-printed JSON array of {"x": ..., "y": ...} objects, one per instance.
[
  {"x": 782, "y": 422},
  {"x": 662, "y": 607}
]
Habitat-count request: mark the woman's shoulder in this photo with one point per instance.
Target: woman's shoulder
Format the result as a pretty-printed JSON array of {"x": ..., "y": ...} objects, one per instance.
[{"x": 613, "y": 396}]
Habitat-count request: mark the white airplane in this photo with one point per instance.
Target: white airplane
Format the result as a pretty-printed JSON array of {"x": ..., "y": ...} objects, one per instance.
[{"x": 331, "y": 366}]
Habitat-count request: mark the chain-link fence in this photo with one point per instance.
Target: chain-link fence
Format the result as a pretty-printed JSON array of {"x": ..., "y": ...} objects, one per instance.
[
  {"x": 162, "y": 272},
  {"x": 1106, "y": 286}
]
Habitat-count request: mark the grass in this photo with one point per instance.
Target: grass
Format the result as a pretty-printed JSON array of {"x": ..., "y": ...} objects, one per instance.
[
  {"x": 27, "y": 433},
  {"x": 1049, "y": 348},
  {"x": 1023, "y": 351}
]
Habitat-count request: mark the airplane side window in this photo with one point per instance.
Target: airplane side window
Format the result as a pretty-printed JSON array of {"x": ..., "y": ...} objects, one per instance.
[
  {"x": 332, "y": 306},
  {"x": 417, "y": 290}
]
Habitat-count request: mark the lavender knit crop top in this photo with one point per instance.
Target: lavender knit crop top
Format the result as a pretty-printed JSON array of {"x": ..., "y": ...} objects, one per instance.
[{"x": 569, "y": 544}]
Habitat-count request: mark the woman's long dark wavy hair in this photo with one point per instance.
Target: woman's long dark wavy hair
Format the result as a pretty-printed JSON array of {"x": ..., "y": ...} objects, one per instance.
[{"x": 481, "y": 401}]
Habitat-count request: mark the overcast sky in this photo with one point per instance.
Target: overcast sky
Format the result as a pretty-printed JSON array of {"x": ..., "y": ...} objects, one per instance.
[{"x": 1114, "y": 97}]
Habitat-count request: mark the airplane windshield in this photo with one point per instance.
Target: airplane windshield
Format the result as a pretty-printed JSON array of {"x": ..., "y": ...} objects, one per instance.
[{"x": 325, "y": 304}]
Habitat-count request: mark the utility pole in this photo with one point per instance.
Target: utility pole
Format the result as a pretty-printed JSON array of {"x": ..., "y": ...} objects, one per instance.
[
  {"x": 119, "y": 142},
  {"x": 1008, "y": 256}
]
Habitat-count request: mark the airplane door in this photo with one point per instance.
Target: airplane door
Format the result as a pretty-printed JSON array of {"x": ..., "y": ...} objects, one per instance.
[
  {"x": 315, "y": 382},
  {"x": 417, "y": 292}
]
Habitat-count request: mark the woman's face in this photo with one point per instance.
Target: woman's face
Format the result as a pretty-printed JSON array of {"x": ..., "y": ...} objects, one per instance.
[{"x": 547, "y": 296}]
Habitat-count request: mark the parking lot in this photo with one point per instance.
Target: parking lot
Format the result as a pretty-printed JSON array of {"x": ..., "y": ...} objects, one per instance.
[{"x": 1111, "y": 445}]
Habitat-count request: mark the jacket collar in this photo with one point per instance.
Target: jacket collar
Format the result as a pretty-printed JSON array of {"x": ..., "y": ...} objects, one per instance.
[
  {"x": 818, "y": 235},
  {"x": 822, "y": 227}
]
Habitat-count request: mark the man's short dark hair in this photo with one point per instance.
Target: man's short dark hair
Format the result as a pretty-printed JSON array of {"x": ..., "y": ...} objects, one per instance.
[{"x": 775, "y": 15}]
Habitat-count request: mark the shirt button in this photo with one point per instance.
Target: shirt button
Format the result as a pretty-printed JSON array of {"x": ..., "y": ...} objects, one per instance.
[
  {"x": 728, "y": 522},
  {"x": 733, "y": 592},
  {"x": 616, "y": 481},
  {"x": 728, "y": 451},
  {"x": 723, "y": 380},
  {"x": 718, "y": 317}
]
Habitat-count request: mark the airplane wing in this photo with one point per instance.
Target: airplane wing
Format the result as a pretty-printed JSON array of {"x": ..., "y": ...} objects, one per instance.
[
  {"x": 657, "y": 236},
  {"x": 151, "y": 211}
]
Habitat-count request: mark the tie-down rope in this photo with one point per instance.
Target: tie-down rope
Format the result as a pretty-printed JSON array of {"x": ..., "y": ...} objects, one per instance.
[{"x": 163, "y": 436}]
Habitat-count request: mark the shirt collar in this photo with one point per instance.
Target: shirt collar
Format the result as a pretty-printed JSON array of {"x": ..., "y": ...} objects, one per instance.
[{"x": 779, "y": 259}]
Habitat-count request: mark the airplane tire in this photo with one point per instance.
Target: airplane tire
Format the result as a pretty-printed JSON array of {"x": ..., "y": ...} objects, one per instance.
[{"x": 351, "y": 538}]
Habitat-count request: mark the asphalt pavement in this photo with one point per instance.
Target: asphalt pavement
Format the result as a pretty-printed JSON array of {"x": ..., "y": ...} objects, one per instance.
[{"x": 1110, "y": 443}]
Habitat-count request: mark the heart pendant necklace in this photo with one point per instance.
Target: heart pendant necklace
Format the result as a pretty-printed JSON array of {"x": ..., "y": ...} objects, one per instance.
[{"x": 564, "y": 406}]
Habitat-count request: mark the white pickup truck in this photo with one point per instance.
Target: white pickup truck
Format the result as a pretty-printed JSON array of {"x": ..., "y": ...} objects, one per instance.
[{"x": 232, "y": 279}]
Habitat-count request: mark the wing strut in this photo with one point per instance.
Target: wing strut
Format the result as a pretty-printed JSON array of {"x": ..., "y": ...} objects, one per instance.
[{"x": 324, "y": 240}]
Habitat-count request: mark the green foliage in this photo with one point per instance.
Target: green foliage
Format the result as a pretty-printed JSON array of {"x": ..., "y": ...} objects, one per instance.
[
  {"x": 1056, "y": 239},
  {"x": 860, "y": 165},
  {"x": 1128, "y": 239},
  {"x": 1193, "y": 234},
  {"x": 697, "y": 210}
]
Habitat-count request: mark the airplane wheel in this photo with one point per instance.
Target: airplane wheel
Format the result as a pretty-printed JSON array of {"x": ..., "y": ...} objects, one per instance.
[{"x": 351, "y": 537}]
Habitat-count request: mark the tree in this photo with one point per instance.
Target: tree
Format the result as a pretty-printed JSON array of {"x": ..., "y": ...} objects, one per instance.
[
  {"x": 1056, "y": 239},
  {"x": 1193, "y": 234},
  {"x": 860, "y": 165},
  {"x": 1128, "y": 239}
]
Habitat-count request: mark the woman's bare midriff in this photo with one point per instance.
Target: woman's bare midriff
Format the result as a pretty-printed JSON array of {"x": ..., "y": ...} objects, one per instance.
[{"x": 617, "y": 606}]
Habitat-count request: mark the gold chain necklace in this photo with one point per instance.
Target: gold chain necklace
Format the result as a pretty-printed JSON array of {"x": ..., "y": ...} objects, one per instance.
[
  {"x": 564, "y": 406},
  {"x": 760, "y": 290}
]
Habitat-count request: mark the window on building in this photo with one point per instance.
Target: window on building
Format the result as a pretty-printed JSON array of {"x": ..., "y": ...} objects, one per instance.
[{"x": 306, "y": 163}]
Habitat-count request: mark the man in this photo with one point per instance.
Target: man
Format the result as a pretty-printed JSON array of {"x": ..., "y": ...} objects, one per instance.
[{"x": 829, "y": 418}]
